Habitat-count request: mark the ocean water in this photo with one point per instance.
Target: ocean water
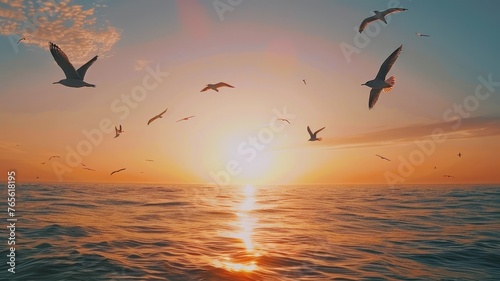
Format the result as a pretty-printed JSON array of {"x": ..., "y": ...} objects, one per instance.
[{"x": 194, "y": 232}]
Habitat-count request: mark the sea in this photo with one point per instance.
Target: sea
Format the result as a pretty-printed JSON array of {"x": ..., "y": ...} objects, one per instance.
[{"x": 83, "y": 231}]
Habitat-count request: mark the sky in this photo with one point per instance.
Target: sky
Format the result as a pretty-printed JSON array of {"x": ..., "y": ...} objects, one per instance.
[{"x": 157, "y": 55}]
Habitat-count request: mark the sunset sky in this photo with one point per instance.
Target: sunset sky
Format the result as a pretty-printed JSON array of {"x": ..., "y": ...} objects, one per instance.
[{"x": 155, "y": 55}]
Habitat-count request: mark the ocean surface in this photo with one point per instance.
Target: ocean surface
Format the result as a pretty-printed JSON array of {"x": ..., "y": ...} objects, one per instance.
[{"x": 194, "y": 232}]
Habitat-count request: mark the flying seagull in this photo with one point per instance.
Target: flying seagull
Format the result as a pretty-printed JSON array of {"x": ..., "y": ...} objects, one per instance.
[
  {"x": 313, "y": 136},
  {"x": 379, "y": 16},
  {"x": 89, "y": 169},
  {"x": 422, "y": 35},
  {"x": 157, "y": 116},
  {"x": 55, "y": 156},
  {"x": 118, "y": 131},
  {"x": 379, "y": 83},
  {"x": 149, "y": 160},
  {"x": 459, "y": 154},
  {"x": 19, "y": 41},
  {"x": 382, "y": 157},
  {"x": 304, "y": 80},
  {"x": 117, "y": 171},
  {"x": 216, "y": 87},
  {"x": 284, "y": 120},
  {"x": 43, "y": 163},
  {"x": 185, "y": 118},
  {"x": 74, "y": 78},
  {"x": 448, "y": 176},
  {"x": 83, "y": 165}
]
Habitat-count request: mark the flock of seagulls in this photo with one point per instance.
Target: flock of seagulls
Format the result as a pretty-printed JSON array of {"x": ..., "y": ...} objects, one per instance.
[{"x": 75, "y": 78}]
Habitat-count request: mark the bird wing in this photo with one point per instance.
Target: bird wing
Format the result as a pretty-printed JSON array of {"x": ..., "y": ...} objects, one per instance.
[
  {"x": 117, "y": 171},
  {"x": 374, "y": 94},
  {"x": 162, "y": 112},
  {"x": 393, "y": 10},
  {"x": 286, "y": 120},
  {"x": 152, "y": 119},
  {"x": 63, "y": 62},
  {"x": 83, "y": 69},
  {"x": 386, "y": 66},
  {"x": 204, "y": 89},
  {"x": 319, "y": 131},
  {"x": 309, "y": 131},
  {"x": 366, "y": 22},
  {"x": 222, "y": 84}
]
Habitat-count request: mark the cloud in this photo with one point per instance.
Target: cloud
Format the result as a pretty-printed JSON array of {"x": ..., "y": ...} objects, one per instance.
[
  {"x": 78, "y": 31},
  {"x": 468, "y": 128},
  {"x": 140, "y": 64}
]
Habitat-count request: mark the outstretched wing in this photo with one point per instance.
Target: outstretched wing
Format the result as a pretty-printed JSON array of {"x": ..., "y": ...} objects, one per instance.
[
  {"x": 374, "y": 94},
  {"x": 152, "y": 119},
  {"x": 63, "y": 62},
  {"x": 222, "y": 84},
  {"x": 310, "y": 132},
  {"x": 319, "y": 131},
  {"x": 393, "y": 10},
  {"x": 83, "y": 69},
  {"x": 204, "y": 89},
  {"x": 366, "y": 22},
  {"x": 387, "y": 65}
]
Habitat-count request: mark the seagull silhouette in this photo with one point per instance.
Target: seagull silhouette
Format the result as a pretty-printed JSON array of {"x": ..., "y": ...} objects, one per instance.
[
  {"x": 185, "y": 118},
  {"x": 382, "y": 157},
  {"x": 422, "y": 35},
  {"x": 313, "y": 136},
  {"x": 304, "y": 80},
  {"x": 74, "y": 78},
  {"x": 19, "y": 41},
  {"x": 149, "y": 160},
  {"x": 43, "y": 163},
  {"x": 459, "y": 154},
  {"x": 448, "y": 176},
  {"x": 119, "y": 131},
  {"x": 157, "y": 116},
  {"x": 379, "y": 83},
  {"x": 55, "y": 156},
  {"x": 117, "y": 171},
  {"x": 284, "y": 120},
  {"x": 379, "y": 16},
  {"x": 216, "y": 87},
  {"x": 89, "y": 169}
]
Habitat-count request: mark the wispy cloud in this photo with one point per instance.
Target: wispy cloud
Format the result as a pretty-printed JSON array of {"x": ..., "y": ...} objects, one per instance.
[
  {"x": 468, "y": 128},
  {"x": 78, "y": 31}
]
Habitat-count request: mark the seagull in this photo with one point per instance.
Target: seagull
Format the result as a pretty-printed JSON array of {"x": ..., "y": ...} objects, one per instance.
[
  {"x": 448, "y": 176},
  {"x": 55, "y": 156},
  {"x": 83, "y": 165},
  {"x": 37, "y": 177},
  {"x": 379, "y": 16},
  {"x": 18, "y": 41},
  {"x": 313, "y": 136},
  {"x": 117, "y": 171},
  {"x": 284, "y": 120},
  {"x": 422, "y": 35},
  {"x": 459, "y": 154},
  {"x": 89, "y": 169},
  {"x": 215, "y": 87},
  {"x": 435, "y": 167},
  {"x": 74, "y": 78},
  {"x": 304, "y": 80},
  {"x": 185, "y": 118},
  {"x": 118, "y": 131},
  {"x": 157, "y": 116},
  {"x": 43, "y": 163},
  {"x": 379, "y": 83},
  {"x": 149, "y": 160},
  {"x": 382, "y": 157}
]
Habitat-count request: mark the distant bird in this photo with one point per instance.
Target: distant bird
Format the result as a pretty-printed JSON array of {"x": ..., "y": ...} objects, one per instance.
[
  {"x": 379, "y": 83},
  {"x": 382, "y": 157},
  {"x": 119, "y": 131},
  {"x": 55, "y": 156},
  {"x": 117, "y": 171},
  {"x": 459, "y": 154},
  {"x": 157, "y": 116},
  {"x": 43, "y": 163},
  {"x": 37, "y": 177},
  {"x": 379, "y": 16},
  {"x": 448, "y": 176},
  {"x": 89, "y": 169},
  {"x": 149, "y": 160},
  {"x": 422, "y": 35},
  {"x": 304, "y": 80},
  {"x": 19, "y": 41},
  {"x": 216, "y": 87},
  {"x": 185, "y": 118},
  {"x": 313, "y": 136},
  {"x": 435, "y": 167},
  {"x": 83, "y": 165},
  {"x": 74, "y": 78},
  {"x": 283, "y": 119}
]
